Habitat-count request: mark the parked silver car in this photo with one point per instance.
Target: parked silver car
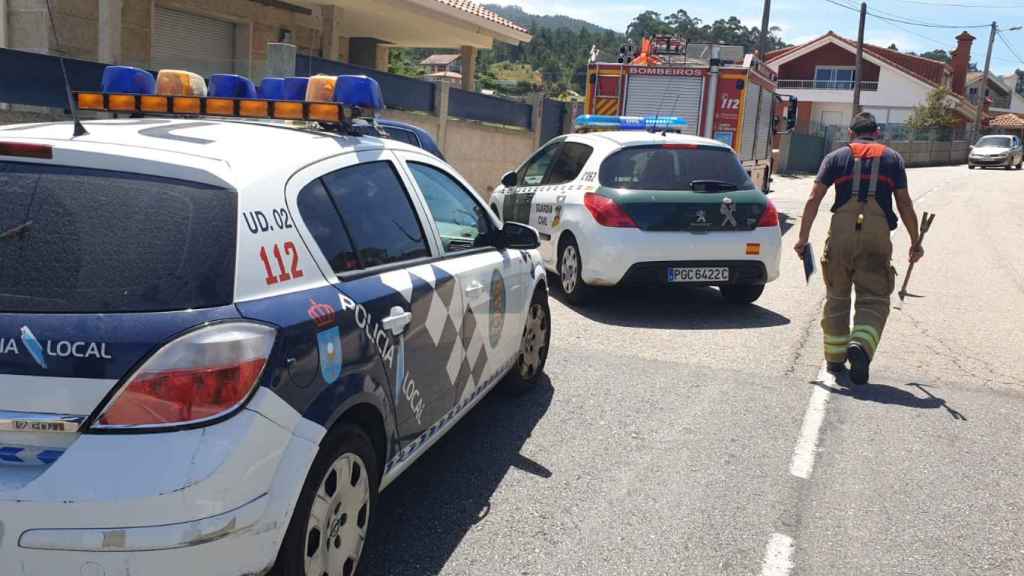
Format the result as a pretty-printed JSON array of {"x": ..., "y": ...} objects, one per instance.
[{"x": 997, "y": 150}]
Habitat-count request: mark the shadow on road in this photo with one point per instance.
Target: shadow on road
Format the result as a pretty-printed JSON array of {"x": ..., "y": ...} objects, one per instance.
[
  {"x": 885, "y": 394},
  {"x": 423, "y": 517},
  {"x": 670, "y": 307}
]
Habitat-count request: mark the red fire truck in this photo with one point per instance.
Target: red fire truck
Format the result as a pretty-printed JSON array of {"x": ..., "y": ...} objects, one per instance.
[{"x": 722, "y": 93}]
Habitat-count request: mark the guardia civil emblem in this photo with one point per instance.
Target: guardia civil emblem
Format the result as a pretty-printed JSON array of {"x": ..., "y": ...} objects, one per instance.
[
  {"x": 497, "y": 309},
  {"x": 728, "y": 210},
  {"x": 328, "y": 340}
]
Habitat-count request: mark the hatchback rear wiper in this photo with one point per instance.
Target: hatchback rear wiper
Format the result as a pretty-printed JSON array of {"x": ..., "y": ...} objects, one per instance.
[
  {"x": 711, "y": 185},
  {"x": 16, "y": 231}
]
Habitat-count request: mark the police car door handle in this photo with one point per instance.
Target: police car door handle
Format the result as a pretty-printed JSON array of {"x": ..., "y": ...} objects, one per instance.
[
  {"x": 474, "y": 288},
  {"x": 397, "y": 321}
]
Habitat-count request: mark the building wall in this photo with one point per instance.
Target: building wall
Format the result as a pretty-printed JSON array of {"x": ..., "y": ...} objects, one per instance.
[{"x": 802, "y": 68}]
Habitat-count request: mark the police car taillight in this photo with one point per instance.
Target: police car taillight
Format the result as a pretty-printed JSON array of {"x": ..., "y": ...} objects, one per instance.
[
  {"x": 24, "y": 150},
  {"x": 607, "y": 212},
  {"x": 769, "y": 217},
  {"x": 199, "y": 377}
]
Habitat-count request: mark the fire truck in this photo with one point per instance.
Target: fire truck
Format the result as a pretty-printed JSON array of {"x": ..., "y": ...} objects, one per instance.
[{"x": 723, "y": 94}]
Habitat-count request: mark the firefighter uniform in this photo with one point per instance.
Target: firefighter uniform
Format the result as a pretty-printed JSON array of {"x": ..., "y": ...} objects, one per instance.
[{"x": 858, "y": 252}]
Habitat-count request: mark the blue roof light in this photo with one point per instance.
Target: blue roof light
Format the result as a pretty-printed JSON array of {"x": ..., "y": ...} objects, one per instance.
[
  {"x": 631, "y": 122},
  {"x": 271, "y": 88},
  {"x": 127, "y": 80},
  {"x": 359, "y": 92},
  {"x": 231, "y": 86},
  {"x": 295, "y": 88}
]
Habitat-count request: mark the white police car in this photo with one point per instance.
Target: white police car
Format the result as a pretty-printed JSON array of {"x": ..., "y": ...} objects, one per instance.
[
  {"x": 220, "y": 339},
  {"x": 641, "y": 206}
]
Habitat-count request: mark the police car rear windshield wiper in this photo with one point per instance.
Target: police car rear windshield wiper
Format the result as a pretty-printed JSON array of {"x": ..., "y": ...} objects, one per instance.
[
  {"x": 18, "y": 230},
  {"x": 711, "y": 185}
]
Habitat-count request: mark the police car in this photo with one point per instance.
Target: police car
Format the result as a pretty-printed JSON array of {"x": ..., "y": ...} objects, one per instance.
[
  {"x": 221, "y": 338},
  {"x": 631, "y": 201}
]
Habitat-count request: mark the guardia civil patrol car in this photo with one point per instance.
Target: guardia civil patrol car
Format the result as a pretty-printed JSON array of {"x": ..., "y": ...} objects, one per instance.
[
  {"x": 630, "y": 201},
  {"x": 221, "y": 338}
]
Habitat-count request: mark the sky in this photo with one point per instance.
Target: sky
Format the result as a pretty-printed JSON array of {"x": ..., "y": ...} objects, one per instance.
[{"x": 804, "y": 20}]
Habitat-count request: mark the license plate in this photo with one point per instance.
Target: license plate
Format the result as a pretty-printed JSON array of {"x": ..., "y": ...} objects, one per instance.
[{"x": 715, "y": 274}]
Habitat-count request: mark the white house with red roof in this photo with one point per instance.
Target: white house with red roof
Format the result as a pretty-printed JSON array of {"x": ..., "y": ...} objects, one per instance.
[{"x": 820, "y": 73}]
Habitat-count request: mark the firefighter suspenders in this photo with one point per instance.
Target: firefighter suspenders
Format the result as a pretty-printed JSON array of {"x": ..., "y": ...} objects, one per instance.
[{"x": 872, "y": 184}]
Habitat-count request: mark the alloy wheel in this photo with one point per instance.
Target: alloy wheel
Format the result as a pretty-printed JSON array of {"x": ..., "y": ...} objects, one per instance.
[
  {"x": 535, "y": 341},
  {"x": 570, "y": 268}
]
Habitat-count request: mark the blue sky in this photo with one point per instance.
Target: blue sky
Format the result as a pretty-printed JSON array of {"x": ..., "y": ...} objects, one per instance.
[{"x": 804, "y": 20}]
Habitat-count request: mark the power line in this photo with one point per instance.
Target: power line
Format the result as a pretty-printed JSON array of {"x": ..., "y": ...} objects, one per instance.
[
  {"x": 1010, "y": 47},
  {"x": 889, "y": 17},
  {"x": 959, "y": 5}
]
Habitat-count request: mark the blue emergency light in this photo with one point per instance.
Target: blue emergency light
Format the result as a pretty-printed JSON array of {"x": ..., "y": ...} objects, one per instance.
[
  {"x": 127, "y": 80},
  {"x": 231, "y": 86},
  {"x": 295, "y": 88},
  {"x": 271, "y": 88},
  {"x": 359, "y": 92},
  {"x": 592, "y": 121}
]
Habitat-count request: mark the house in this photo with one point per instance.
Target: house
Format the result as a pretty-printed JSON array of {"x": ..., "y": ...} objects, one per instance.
[
  {"x": 231, "y": 35},
  {"x": 1001, "y": 95},
  {"x": 820, "y": 73},
  {"x": 436, "y": 63}
]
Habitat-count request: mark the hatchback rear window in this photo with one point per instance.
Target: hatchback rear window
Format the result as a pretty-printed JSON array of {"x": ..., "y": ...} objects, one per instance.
[
  {"x": 83, "y": 240},
  {"x": 669, "y": 168}
]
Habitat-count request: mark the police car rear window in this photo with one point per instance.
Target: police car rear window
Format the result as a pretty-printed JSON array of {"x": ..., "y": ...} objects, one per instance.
[
  {"x": 83, "y": 240},
  {"x": 670, "y": 168}
]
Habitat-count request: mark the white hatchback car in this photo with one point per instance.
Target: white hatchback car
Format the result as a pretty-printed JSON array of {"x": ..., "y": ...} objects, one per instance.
[{"x": 637, "y": 207}]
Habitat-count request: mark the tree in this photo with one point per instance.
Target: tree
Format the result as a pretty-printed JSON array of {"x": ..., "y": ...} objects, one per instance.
[
  {"x": 940, "y": 55},
  {"x": 893, "y": 47},
  {"x": 938, "y": 111}
]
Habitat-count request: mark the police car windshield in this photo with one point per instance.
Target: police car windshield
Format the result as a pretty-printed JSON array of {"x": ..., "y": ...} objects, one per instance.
[
  {"x": 671, "y": 168},
  {"x": 83, "y": 240},
  {"x": 995, "y": 141}
]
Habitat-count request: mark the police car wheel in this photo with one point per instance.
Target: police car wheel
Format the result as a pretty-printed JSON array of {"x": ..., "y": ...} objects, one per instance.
[
  {"x": 741, "y": 293},
  {"x": 328, "y": 528},
  {"x": 533, "y": 351},
  {"x": 570, "y": 273}
]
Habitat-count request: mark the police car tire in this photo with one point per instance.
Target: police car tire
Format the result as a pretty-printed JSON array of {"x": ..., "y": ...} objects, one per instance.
[
  {"x": 741, "y": 293},
  {"x": 342, "y": 440},
  {"x": 524, "y": 376},
  {"x": 579, "y": 292}
]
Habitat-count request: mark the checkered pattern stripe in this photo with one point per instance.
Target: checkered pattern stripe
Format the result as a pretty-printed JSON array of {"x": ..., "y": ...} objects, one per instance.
[
  {"x": 451, "y": 325},
  {"x": 28, "y": 455},
  {"x": 448, "y": 419}
]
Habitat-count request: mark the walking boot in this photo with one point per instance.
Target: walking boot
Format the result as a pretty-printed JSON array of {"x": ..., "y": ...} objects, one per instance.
[
  {"x": 836, "y": 368},
  {"x": 859, "y": 363}
]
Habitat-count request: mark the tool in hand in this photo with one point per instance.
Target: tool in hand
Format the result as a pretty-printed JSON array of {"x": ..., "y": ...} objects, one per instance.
[{"x": 926, "y": 224}]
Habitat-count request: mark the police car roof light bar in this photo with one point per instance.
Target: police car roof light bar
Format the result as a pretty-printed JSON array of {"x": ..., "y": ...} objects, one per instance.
[
  {"x": 652, "y": 123},
  {"x": 127, "y": 80},
  {"x": 360, "y": 92},
  {"x": 231, "y": 86}
]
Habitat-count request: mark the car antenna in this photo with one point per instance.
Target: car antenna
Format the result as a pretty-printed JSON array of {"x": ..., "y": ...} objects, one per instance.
[{"x": 79, "y": 129}]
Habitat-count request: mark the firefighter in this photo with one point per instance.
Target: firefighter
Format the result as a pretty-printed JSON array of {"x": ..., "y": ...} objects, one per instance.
[{"x": 869, "y": 178}]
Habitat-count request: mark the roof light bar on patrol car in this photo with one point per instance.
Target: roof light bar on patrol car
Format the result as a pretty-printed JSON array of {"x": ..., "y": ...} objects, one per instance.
[
  {"x": 321, "y": 98},
  {"x": 591, "y": 122}
]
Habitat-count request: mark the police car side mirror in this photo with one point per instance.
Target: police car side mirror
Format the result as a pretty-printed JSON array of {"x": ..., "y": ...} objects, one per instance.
[
  {"x": 510, "y": 179},
  {"x": 519, "y": 236}
]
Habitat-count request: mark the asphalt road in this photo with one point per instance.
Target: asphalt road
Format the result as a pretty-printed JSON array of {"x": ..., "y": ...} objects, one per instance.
[{"x": 678, "y": 435}]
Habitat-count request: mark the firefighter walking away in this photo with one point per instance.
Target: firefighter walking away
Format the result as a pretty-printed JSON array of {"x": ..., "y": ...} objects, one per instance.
[{"x": 870, "y": 179}]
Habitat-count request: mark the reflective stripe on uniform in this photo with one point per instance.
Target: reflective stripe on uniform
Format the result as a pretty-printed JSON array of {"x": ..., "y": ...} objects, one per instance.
[{"x": 869, "y": 334}]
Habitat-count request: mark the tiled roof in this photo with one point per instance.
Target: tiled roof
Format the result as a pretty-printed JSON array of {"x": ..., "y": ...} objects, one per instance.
[
  {"x": 478, "y": 10},
  {"x": 1007, "y": 121}
]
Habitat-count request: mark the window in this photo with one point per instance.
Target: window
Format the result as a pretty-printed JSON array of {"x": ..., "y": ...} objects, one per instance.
[
  {"x": 569, "y": 164},
  {"x": 84, "y": 240},
  {"x": 608, "y": 86},
  {"x": 533, "y": 172},
  {"x": 324, "y": 223},
  {"x": 834, "y": 77},
  {"x": 657, "y": 168},
  {"x": 461, "y": 221},
  {"x": 377, "y": 214},
  {"x": 407, "y": 136}
]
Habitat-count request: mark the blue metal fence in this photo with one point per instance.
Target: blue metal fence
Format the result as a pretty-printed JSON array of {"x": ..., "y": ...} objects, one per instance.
[
  {"x": 400, "y": 92},
  {"x": 552, "y": 118},
  {"x": 473, "y": 106},
  {"x": 35, "y": 79}
]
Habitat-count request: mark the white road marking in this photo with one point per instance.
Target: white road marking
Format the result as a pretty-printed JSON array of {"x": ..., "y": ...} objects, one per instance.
[
  {"x": 778, "y": 557},
  {"x": 807, "y": 444}
]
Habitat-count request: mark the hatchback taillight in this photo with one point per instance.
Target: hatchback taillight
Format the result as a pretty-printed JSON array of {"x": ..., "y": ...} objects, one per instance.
[
  {"x": 607, "y": 212},
  {"x": 198, "y": 377},
  {"x": 770, "y": 216}
]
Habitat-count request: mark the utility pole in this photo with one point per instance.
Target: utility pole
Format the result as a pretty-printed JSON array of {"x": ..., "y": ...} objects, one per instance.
[
  {"x": 982, "y": 93},
  {"x": 764, "y": 30},
  {"x": 860, "y": 58}
]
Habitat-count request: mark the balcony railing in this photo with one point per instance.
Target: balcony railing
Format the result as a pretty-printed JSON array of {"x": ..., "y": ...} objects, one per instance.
[{"x": 826, "y": 85}]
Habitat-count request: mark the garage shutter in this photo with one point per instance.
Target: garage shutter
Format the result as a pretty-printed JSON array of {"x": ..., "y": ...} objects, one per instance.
[
  {"x": 186, "y": 41},
  {"x": 666, "y": 96}
]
